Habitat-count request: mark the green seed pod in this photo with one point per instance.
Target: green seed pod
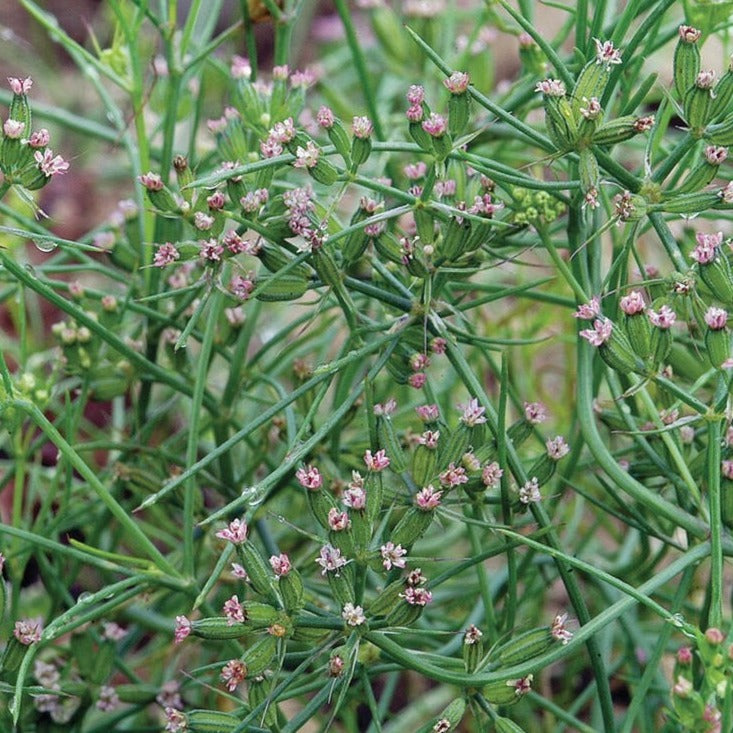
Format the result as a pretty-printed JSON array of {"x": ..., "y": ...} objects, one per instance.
[
  {"x": 217, "y": 627},
  {"x": 404, "y": 614},
  {"x": 726, "y": 502},
  {"x": 698, "y": 177},
  {"x": 501, "y": 693},
  {"x": 275, "y": 258},
  {"x": 292, "y": 591},
  {"x": 324, "y": 172},
  {"x": 473, "y": 653},
  {"x": 425, "y": 224},
  {"x": 722, "y": 133},
  {"x": 391, "y": 443},
  {"x": 588, "y": 169},
  {"x": 374, "y": 491},
  {"x": 247, "y": 100},
  {"x": 20, "y": 111},
  {"x": 717, "y": 343},
  {"x": 688, "y": 203},
  {"x": 260, "y": 654},
  {"x": 619, "y": 355},
  {"x": 442, "y": 146},
  {"x": 524, "y": 647},
  {"x": 210, "y": 721},
  {"x": 698, "y": 105},
  {"x": 455, "y": 238},
  {"x": 424, "y": 461},
  {"x": 163, "y": 200},
  {"x": 321, "y": 503},
  {"x": 388, "y": 248},
  {"x": 411, "y": 527},
  {"x": 102, "y": 662},
  {"x": 258, "y": 691},
  {"x": 456, "y": 445},
  {"x": 459, "y": 112},
  {"x": 361, "y": 147},
  {"x": 259, "y": 571},
  {"x": 723, "y": 95},
  {"x": 452, "y": 714},
  {"x": 391, "y": 34},
  {"x": 355, "y": 243},
  {"x": 639, "y": 332},
  {"x": 281, "y": 287},
  {"x": 340, "y": 140},
  {"x": 342, "y": 585},
  {"x": 543, "y": 469},
  {"x": 560, "y": 121},
  {"x": 718, "y": 277},
  {"x": 138, "y": 694},
  {"x": 361, "y": 528},
  {"x": 591, "y": 82},
  {"x": 326, "y": 267},
  {"x": 387, "y": 600},
  {"x": 505, "y": 725},
  {"x": 686, "y": 60},
  {"x": 661, "y": 344},
  {"x": 11, "y": 659},
  {"x": 421, "y": 137},
  {"x": 616, "y": 131}
]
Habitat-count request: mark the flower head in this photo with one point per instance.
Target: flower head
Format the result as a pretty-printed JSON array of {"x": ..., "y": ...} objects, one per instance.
[
  {"x": 688, "y": 34},
  {"x": 491, "y": 474},
  {"x": 28, "y": 631},
  {"x": 592, "y": 109},
  {"x": 39, "y": 138},
  {"x": 557, "y": 448},
  {"x": 176, "y": 721},
  {"x": 151, "y": 181},
  {"x": 234, "y": 611},
  {"x": 530, "y": 492},
  {"x": 393, "y": 556},
  {"x": 338, "y": 521},
  {"x": 599, "y": 334},
  {"x": 233, "y": 674},
  {"x": 376, "y": 462},
  {"x": 473, "y": 413},
  {"x": 182, "y": 630},
  {"x": 331, "y": 560},
  {"x": 50, "y": 164},
  {"x": 590, "y": 310},
  {"x": 559, "y": 631},
  {"x": 236, "y": 532},
  {"x": 325, "y": 118},
  {"x": 716, "y": 318},
  {"x": 716, "y": 154},
  {"x": 240, "y": 68},
  {"x": 13, "y": 129},
  {"x": 472, "y": 635},
  {"x": 606, "y": 54},
  {"x": 309, "y": 477},
  {"x": 428, "y": 498},
  {"x": 535, "y": 412},
  {"x": 416, "y": 596},
  {"x": 633, "y": 303},
  {"x": 664, "y": 318},
  {"x": 353, "y": 615},
  {"x": 457, "y": 82},
  {"x": 453, "y": 476},
  {"x": 20, "y": 86},
  {"x": 362, "y": 127},
  {"x": 428, "y": 413},
  {"x": 436, "y": 125},
  {"x": 415, "y": 95},
  {"x": 551, "y": 87},
  {"x": 307, "y": 157}
]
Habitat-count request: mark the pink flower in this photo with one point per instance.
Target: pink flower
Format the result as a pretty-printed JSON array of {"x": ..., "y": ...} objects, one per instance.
[
  {"x": 535, "y": 412},
  {"x": 392, "y": 555},
  {"x": 688, "y": 34},
  {"x": 606, "y": 54},
  {"x": 338, "y": 521},
  {"x": 559, "y": 631},
  {"x": 415, "y": 578},
  {"x": 436, "y": 125},
  {"x": 453, "y": 476},
  {"x": 331, "y": 560},
  {"x": 707, "y": 247},
  {"x": 239, "y": 572},
  {"x": 203, "y": 222},
  {"x": 438, "y": 345},
  {"x": 355, "y": 497},
  {"x": 303, "y": 79},
  {"x": 415, "y": 113},
  {"x": 28, "y": 631},
  {"x": 428, "y": 413},
  {"x": 283, "y": 132},
  {"x": 633, "y": 303},
  {"x": 551, "y": 87},
  {"x": 233, "y": 611},
  {"x": 307, "y": 157},
  {"x": 530, "y": 492},
  {"x": 353, "y": 615},
  {"x": 473, "y": 413},
  {"x": 429, "y": 439},
  {"x": 242, "y": 286},
  {"x": 376, "y": 462},
  {"x": 557, "y": 448},
  {"x": 521, "y": 686},
  {"x": 2, "y": 562},
  {"x": 108, "y": 699},
  {"x": 417, "y": 596},
  {"x": 240, "y": 68},
  {"x": 683, "y": 687},
  {"x": 417, "y": 380},
  {"x": 50, "y": 164},
  {"x": 664, "y": 318},
  {"x": 716, "y": 154},
  {"x": 309, "y": 477},
  {"x": 726, "y": 193},
  {"x": 415, "y": 171},
  {"x": 472, "y": 635},
  {"x": 233, "y": 674},
  {"x": 714, "y": 635},
  {"x": 182, "y": 630},
  {"x": 590, "y": 310},
  {"x": 280, "y": 564},
  {"x": 176, "y": 721},
  {"x": 362, "y": 127},
  {"x": 428, "y": 499},
  {"x": 20, "y": 86},
  {"x": 113, "y": 631},
  {"x": 325, "y": 118},
  {"x": 457, "y": 82},
  {"x": 592, "y": 110},
  {"x": 151, "y": 181},
  {"x": 211, "y": 250},
  {"x": 684, "y": 655},
  {"x": 599, "y": 334},
  {"x": 236, "y": 532},
  {"x": 415, "y": 95},
  {"x": 39, "y": 138},
  {"x": 716, "y": 318},
  {"x": 270, "y": 148},
  {"x": 491, "y": 475},
  {"x": 386, "y": 409},
  {"x": 13, "y": 129}
]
